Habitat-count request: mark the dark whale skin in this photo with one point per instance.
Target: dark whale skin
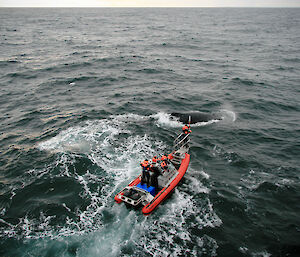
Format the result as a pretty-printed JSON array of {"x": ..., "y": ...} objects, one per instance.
[{"x": 195, "y": 117}]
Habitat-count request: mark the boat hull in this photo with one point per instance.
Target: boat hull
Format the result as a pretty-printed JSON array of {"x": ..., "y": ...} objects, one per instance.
[
  {"x": 163, "y": 194},
  {"x": 132, "y": 183}
]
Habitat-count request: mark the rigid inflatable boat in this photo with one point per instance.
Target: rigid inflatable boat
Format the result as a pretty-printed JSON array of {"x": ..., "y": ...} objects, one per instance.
[{"x": 137, "y": 194}]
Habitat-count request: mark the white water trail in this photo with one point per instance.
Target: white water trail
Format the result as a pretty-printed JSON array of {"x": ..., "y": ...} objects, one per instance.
[{"x": 111, "y": 145}]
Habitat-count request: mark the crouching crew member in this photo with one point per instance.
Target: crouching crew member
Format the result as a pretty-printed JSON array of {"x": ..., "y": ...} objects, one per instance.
[
  {"x": 164, "y": 158},
  {"x": 154, "y": 160},
  {"x": 170, "y": 156},
  {"x": 186, "y": 129}
]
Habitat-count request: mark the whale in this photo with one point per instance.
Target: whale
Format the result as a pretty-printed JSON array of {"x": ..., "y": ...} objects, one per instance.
[{"x": 195, "y": 117}]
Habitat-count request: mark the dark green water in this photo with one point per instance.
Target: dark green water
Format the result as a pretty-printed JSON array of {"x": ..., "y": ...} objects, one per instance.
[{"x": 87, "y": 93}]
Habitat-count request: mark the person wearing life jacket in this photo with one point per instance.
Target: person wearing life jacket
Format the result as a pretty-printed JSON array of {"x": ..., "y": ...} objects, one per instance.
[
  {"x": 164, "y": 165},
  {"x": 164, "y": 158},
  {"x": 186, "y": 129},
  {"x": 154, "y": 160},
  {"x": 145, "y": 164},
  {"x": 153, "y": 176},
  {"x": 170, "y": 157},
  {"x": 145, "y": 172}
]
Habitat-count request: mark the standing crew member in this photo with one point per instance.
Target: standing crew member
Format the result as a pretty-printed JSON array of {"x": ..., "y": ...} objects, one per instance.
[
  {"x": 145, "y": 173},
  {"x": 153, "y": 179},
  {"x": 164, "y": 165}
]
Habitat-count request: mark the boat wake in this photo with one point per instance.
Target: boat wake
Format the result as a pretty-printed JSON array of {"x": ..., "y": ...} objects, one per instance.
[{"x": 95, "y": 160}]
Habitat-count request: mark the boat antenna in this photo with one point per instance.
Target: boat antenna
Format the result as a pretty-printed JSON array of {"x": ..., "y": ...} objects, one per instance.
[{"x": 189, "y": 121}]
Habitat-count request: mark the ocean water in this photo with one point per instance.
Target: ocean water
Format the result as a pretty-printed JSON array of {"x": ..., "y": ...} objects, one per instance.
[{"x": 88, "y": 93}]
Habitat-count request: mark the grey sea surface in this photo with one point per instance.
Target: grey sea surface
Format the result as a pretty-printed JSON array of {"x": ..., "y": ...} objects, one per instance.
[{"x": 86, "y": 94}]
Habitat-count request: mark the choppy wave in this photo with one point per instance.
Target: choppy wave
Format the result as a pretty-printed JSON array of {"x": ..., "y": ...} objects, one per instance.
[
  {"x": 112, "y": 146},
  {"x": 81, "y": 107}
]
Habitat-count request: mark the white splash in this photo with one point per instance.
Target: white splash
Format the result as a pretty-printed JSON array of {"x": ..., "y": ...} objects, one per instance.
[
  {"x": 204, "y": 174},
  {"x": 261, "y": 254},
  {"x": 228, "y": 115},
  {"x": 165, "y": 119},
  {"x": 112, "y": 145},
  {"x": 129, "y": 117}
]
